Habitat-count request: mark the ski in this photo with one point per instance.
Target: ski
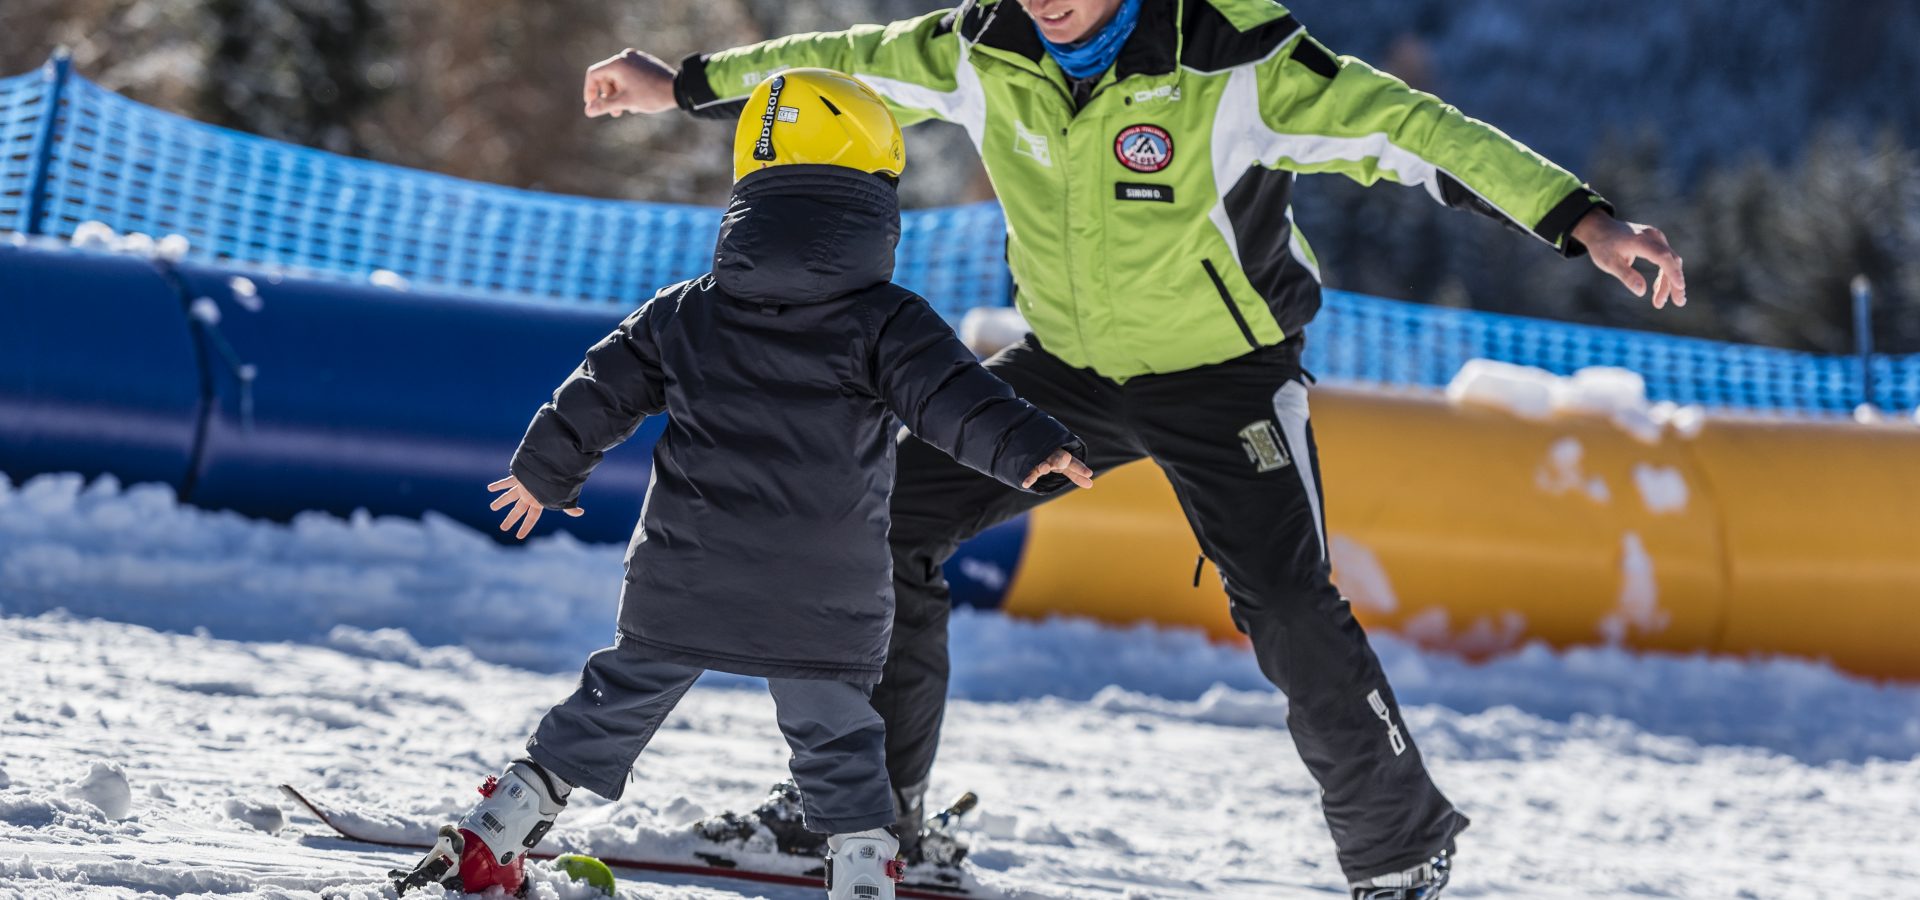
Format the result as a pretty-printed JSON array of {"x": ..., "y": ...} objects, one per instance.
[{"x": 717, "y": 866}]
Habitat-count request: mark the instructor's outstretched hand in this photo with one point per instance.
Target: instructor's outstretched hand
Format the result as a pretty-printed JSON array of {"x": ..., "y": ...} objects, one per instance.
[
  {"x": 526, "y": 510},
  {"x": 1615, "y": 246},
  {"x": 1062, "y": 462},
  {"x": 633, "y": 82}
]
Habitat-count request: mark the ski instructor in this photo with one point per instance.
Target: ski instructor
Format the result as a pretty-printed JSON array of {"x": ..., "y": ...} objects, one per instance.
[{"x": 1144, "y": 151}]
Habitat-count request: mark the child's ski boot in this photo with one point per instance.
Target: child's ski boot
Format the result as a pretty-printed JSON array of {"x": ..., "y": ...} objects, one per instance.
[
  {"x": 1422, "y": 882},
  {"x": 862, "y": 866},
  {"x": 488, "y": 848}
]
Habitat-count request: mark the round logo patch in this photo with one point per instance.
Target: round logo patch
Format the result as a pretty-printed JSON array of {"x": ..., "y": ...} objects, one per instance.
[{"x": 1144, "y": 148}]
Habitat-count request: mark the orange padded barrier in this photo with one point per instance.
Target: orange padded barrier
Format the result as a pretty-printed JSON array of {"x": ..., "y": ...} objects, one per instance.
[
  {"x": 1471, "y": 529},
  {"x": 1822, "y": 529}
]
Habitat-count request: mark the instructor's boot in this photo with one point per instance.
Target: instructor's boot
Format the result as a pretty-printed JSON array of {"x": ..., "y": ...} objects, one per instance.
[
  {"x": 781, "y": 814},
  {"x": 910, "y": 819},
  {"x": 931, "y": 845},
  {"x": 488, "y": 848},
  {"x": 1422, "y": 882},
  {"x": 862, "y": 866}
]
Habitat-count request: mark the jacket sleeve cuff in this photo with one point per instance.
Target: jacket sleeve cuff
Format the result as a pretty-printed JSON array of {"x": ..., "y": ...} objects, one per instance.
[
  {"x": 1054, "y": 482},
  {"x": 550, "y": 494},
  {"x": 694, "y": 93},
  {"x": 1556, "y": 227}
]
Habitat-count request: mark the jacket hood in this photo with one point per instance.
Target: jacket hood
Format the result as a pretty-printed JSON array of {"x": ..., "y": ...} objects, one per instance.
[{"x": 806, "y": 234}]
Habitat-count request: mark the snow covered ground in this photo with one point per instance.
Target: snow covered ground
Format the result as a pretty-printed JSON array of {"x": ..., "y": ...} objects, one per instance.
[{"x": 138, "y": 756}]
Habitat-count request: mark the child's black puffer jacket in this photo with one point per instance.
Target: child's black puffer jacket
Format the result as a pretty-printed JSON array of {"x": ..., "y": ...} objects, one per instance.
[{"x": 762, "y": 548}]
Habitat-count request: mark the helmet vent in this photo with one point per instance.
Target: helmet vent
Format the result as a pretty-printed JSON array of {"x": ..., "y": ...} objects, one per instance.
[{"x": 830, "y": 107}]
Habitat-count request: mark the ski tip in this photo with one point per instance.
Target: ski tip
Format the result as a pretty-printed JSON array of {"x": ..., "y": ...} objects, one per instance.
[{"x": 965, "y": 803}]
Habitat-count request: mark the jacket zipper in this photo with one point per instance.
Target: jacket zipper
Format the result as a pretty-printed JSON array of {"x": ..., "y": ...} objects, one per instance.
[{"x": 1227, "y": 298}]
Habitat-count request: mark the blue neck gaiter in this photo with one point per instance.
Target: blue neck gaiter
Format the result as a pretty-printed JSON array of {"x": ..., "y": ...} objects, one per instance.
[{"x": 1093, "y": 55}]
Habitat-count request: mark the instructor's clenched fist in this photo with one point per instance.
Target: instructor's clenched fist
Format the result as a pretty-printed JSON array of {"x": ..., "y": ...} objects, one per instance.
[{"x": 632, "y": 82}]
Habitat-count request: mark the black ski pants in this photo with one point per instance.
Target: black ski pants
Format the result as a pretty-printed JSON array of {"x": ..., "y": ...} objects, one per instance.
[{"x": 1235, "y": 442}]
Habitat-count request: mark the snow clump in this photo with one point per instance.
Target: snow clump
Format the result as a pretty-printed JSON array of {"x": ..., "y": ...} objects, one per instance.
[
  {"x": 205, "y": 311},
  {"x": 388, "y": 279},
  {"x": 1537, "y": 394},
  {"x": 173, "y": 248},
  {"x": 106, "y": 787},
  {"x": 264, "y": 816},
  {"x": 95, "y": 236},
  {"x": 1662, "y": 488},
  {"x": 245, "y": 293},
  {"x": 101, "y": 237},
  {"x": 139, "y": 243}
]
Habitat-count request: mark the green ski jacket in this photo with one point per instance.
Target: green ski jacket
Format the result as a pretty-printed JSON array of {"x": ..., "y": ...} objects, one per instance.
[{"x": 1148, "y": 228}]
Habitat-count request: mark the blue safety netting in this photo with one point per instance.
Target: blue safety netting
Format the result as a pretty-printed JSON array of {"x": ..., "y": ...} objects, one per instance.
[
  {"x": 23, "y": 114},
  {"x": 72, "y": 152},
  {"x": 1393, "y": 342},
  {"x": 243, "y": 199}
]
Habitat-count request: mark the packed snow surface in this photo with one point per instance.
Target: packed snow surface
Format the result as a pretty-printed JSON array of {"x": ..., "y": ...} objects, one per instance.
[{"x": 355, "y": 658}]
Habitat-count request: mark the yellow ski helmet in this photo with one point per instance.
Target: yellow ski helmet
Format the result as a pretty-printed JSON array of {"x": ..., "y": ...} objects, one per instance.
[{"x": 819, "y": 117}]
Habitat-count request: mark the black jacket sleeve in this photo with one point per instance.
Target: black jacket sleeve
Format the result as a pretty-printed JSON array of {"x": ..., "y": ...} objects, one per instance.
[
  {"x": 600, "y": 405},
  {"x": 934, "y": 384}
]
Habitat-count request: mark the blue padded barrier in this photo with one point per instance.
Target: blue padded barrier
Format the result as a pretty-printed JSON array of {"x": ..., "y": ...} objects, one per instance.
[
  {"x": 98, "y": 368},
  {"x": 336, "y": 397},
  {"x": 281, "y": 395},
  {"x": 264, "y": 205}
]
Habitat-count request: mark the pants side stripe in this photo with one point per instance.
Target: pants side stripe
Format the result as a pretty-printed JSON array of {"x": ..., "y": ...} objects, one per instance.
[{"x": 1290, "y": 409}]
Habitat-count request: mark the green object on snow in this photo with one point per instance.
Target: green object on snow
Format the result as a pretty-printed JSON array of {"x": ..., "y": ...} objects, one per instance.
[{"x": 587, "y": 869}]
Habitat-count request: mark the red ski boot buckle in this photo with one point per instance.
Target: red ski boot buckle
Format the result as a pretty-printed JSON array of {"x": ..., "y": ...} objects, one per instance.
[
  {"x": 896, "y": 870},
  {"x": 493, "y": 784}
]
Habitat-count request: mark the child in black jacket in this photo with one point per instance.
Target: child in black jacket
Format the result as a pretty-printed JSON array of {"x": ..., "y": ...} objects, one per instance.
[{"x": 762, "y": 547}]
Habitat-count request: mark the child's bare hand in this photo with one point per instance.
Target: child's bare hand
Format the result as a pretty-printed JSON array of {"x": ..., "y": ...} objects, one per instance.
[
  {"x": 523, "y": 506},
  {"x": 1062, "y": 462}
]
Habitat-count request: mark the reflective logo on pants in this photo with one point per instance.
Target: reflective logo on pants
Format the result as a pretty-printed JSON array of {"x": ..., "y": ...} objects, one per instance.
[{"x": 1394, "y": 737}]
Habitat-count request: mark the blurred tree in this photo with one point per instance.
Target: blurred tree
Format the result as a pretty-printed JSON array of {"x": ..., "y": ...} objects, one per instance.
[
  {"x": 295, "y": 70},
  {"x": 151, "y": 50}
]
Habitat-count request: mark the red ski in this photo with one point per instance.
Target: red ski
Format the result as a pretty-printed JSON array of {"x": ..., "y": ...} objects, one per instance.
[{"x": 908, "y": 890}]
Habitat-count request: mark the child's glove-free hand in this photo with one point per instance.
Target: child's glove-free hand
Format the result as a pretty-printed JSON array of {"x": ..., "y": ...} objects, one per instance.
[
  {"x": 1062, "y": 462},
  {"x": 524, "y": 505}
]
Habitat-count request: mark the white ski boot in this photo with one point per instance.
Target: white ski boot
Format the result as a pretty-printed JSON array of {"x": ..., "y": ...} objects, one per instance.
[
  {"x": 1422, "y": 882},
  {"x": 863, "y": 866},
  {"x": 488, "y": 847}
]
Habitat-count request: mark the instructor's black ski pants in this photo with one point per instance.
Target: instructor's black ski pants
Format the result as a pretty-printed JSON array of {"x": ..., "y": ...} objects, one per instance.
[{"x": 1235, "y": 441}]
